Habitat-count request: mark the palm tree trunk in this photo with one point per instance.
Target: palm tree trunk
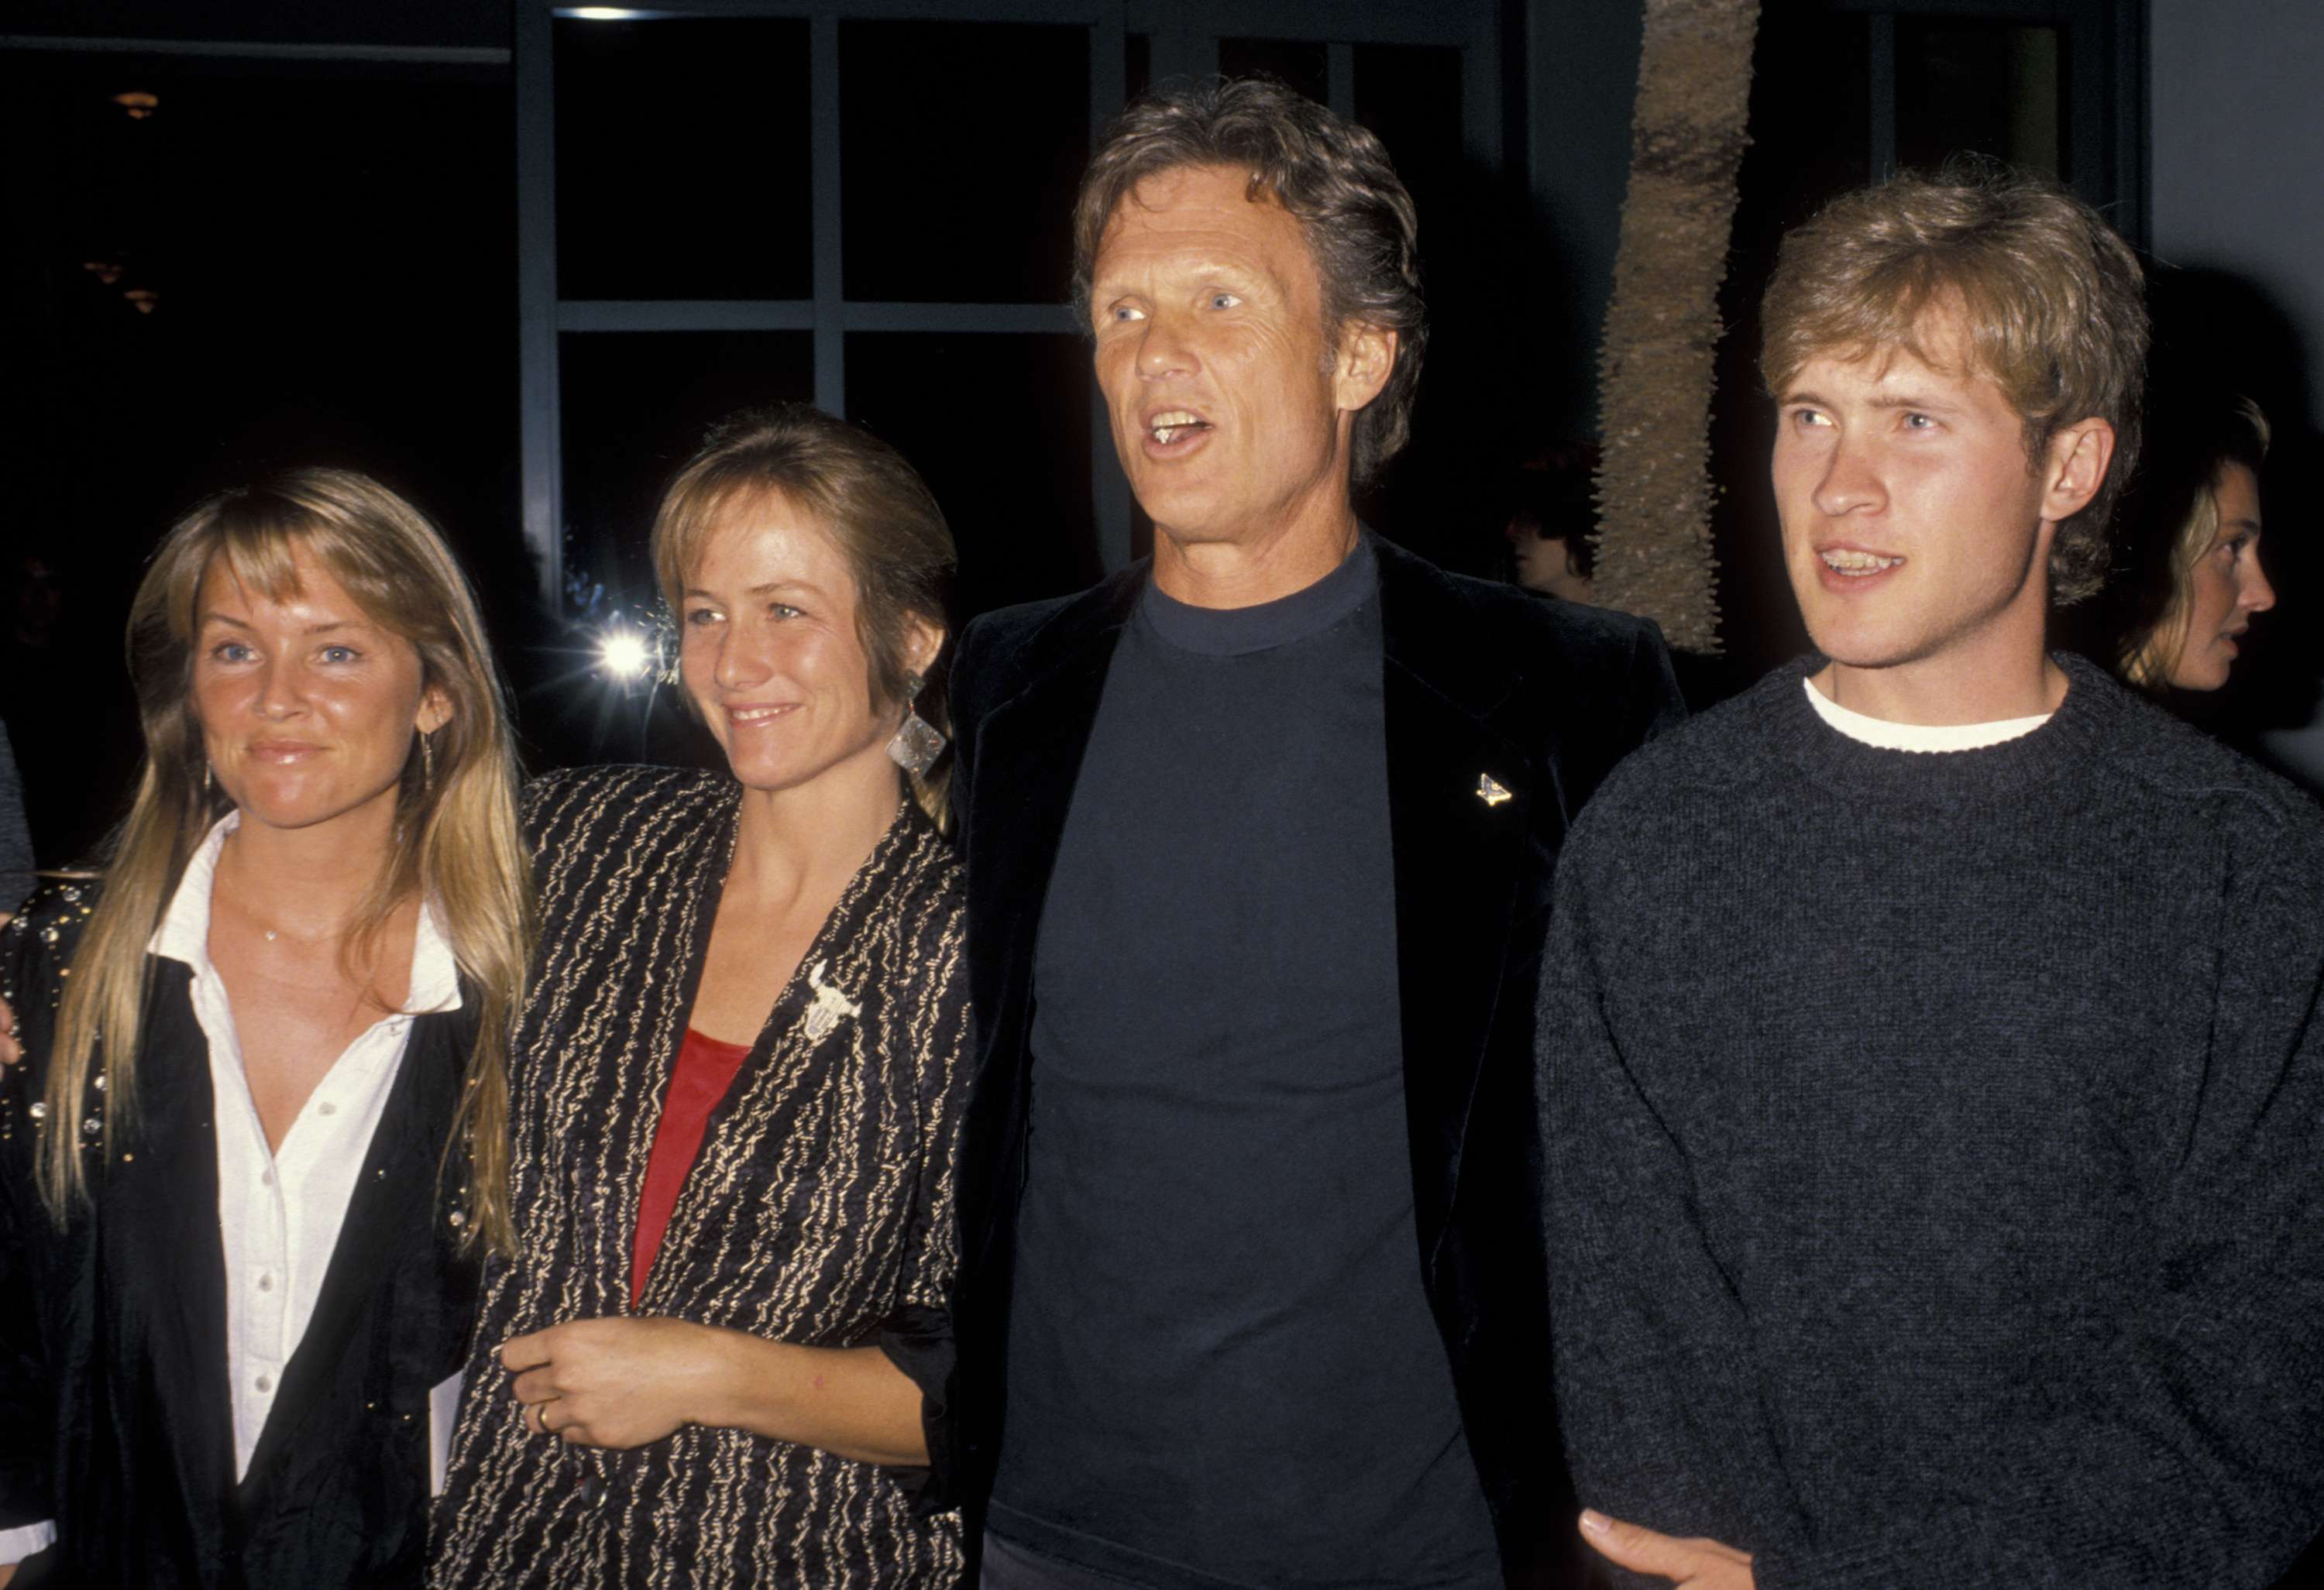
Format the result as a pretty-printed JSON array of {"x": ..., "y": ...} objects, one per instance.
[{"x": 1662, "y": 326}]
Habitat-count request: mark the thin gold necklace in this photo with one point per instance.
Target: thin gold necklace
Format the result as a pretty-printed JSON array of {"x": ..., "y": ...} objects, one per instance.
[{"x": 233, "y": 897}]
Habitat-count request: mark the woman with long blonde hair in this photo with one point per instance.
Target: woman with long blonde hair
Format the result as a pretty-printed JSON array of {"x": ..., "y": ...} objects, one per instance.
[{"x": 256, "y": 1151}]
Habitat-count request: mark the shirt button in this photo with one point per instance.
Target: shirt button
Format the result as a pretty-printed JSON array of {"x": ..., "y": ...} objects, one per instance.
[
  {"x": 265, "y": 1382},
  {"x": 329, "y": 1108},
  {"x": 593, "y": 1490},
  {"x": 266, "y": 1284},
  {"x": 266, "y": 1178}
]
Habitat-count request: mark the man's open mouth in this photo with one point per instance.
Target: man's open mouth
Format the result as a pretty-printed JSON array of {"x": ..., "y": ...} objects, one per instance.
[{"x": 1842, "y": 560}]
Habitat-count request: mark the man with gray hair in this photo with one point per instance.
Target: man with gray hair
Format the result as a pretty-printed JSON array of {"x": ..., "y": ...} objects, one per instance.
[{"x": 1259, "y": 840}]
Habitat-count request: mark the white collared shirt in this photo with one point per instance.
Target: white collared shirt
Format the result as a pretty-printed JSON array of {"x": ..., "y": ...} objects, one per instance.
[
  {"x": 280, "y": 1210},
  {"x": 279, "y": 1213}
]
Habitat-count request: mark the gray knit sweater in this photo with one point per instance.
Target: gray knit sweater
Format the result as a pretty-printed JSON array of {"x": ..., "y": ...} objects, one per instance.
[{"x": 1936, "y": 1151}]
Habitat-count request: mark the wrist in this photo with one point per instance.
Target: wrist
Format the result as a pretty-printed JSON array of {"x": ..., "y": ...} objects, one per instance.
[{"x": 729, "y": 1380}]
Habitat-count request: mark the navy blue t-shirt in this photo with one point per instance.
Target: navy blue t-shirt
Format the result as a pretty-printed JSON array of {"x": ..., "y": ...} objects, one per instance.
[{"x": 1221, "y": 1366}]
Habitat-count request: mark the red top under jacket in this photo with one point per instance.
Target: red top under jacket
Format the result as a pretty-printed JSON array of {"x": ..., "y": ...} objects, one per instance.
[{"x": 705, "y": 1070}]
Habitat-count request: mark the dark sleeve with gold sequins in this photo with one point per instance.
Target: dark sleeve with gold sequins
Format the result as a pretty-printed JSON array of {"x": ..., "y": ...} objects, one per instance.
[{"x": 34, "y": 948}]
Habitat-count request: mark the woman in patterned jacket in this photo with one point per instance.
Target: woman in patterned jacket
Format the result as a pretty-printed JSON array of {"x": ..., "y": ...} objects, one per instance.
[{"x": 736, "y": 1077}]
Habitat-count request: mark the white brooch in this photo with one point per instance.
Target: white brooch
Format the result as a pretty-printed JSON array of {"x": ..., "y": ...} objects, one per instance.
[
  {"x": 1489, "y": 792},
  {"x": 829, "y": 1005}
]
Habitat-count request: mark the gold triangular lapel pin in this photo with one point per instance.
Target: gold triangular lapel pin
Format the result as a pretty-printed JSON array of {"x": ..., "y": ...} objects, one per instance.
[{"x": 1492, "y": 793}]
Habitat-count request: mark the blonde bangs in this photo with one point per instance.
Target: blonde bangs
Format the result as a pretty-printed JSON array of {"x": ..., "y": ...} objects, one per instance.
[{"x": 458, "y": 843}]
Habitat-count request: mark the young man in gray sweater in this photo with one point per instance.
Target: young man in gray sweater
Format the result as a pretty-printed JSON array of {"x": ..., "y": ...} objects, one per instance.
[{"x": 1932, "y": 1072}]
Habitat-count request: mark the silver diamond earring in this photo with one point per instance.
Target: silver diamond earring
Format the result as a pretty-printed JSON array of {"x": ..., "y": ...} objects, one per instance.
[{"x": 918, "y": 742}]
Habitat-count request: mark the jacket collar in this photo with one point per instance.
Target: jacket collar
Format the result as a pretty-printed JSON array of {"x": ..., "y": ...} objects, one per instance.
[
  {"x": 1082, "y": 633},
  {"x": 1461, "y": 859},
  {"x": 1037, "y": 731},
  {"x": 1430, "y": 634}
]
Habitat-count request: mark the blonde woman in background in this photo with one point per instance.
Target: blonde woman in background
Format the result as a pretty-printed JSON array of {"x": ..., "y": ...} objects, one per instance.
[
  {"x": 2188, "y": 580},
  {"x": 256, "y": 1147}
]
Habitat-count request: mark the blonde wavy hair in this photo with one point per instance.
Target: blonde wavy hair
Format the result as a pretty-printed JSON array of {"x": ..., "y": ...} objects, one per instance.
[{"x": 455, "y": 808}]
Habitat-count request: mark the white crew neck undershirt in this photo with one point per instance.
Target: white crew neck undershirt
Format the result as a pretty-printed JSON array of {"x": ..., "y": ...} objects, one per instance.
[{"x": 1917, "y": 736}]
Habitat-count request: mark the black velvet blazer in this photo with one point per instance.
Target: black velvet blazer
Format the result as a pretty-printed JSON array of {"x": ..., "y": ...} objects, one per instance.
[
  {"x": 114, "y": 1418},
  {"x": 1482, "y": 681}
]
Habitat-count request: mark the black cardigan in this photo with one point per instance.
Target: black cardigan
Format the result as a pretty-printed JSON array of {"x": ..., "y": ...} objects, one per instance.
[{"x": 115, "y": 1415}]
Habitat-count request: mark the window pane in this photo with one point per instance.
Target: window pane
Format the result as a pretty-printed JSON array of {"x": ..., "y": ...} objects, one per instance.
[
  {"x": 998, "y": 425},
  {"x": 1435, "y": 495},
  {"x": 1811, "y": 124},
  {"x": 636, "y": 405},
  {"x": 918, "y": 100},
  {"x": 1137, "y": 64},
  {"x": 1410, "y": 95},
  {"x": 266, "y": 268},
  {"x": 682, "y": 160},
  {"x": 1982, "y": 86},
  {"x": 1302, "y": 64}
]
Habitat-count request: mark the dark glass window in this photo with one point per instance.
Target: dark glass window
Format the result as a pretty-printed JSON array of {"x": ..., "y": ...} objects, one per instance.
[
  {"x": 1435, "y": 495},
  {"x": 1811, "y": 124},
  {"x": 264, "y": 268},
  {"x": 682, "y": 160},
  {"x": 998, "y": 427},
  {"x": 921, "y": 102},
  {"x": 1410, "y": 95},
  {"x": 636, "y": 405},
  {"x": 255, "y": 273},
  {"x": 1985, "y": 87},
  {"x": 1137, "y": 64},
  {"x": 1304, "y": 65}
]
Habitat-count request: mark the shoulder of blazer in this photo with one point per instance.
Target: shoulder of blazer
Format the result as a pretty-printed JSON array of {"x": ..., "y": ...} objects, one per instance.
[
  {"x": 1478, "y": 640},
  {"x": 590, "y": 817},
  {"x": 42, "y": 938},
  {"x": 36, "y": 955},
  {"x": 1004, "y": 651},
  {"x": 558, "y": 796}
]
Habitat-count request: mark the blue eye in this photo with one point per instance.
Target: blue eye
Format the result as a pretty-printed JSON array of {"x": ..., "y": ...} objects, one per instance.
[{"x": 339, "y": 654}]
